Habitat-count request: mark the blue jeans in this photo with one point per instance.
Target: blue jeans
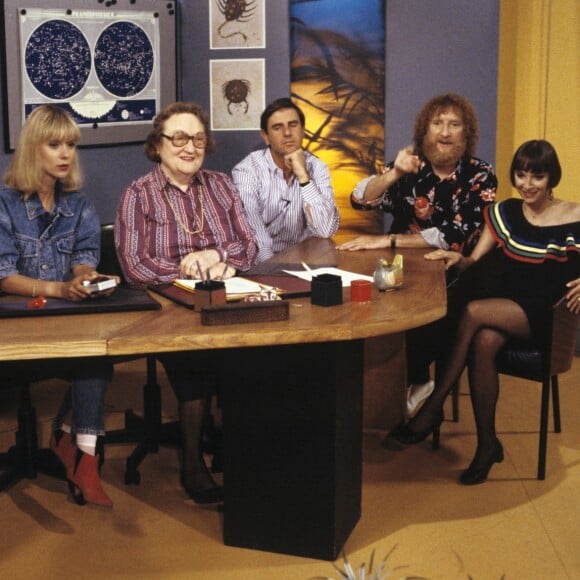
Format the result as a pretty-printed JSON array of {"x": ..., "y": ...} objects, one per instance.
[{"x": 85, "y": 396}]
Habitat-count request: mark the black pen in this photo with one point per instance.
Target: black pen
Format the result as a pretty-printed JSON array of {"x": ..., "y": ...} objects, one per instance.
[
  {"x": 223, "y": 273},
  {"x": 200, "y": 271}
]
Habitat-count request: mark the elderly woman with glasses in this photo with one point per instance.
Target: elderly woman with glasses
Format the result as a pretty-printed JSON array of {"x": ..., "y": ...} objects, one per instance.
[{"x": 180, "y": 221}]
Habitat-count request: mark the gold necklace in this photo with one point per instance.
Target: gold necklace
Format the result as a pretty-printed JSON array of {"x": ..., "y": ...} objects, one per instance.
[
  {"x": 534, "y": 217},
  {"x": 176, "y": 215}
]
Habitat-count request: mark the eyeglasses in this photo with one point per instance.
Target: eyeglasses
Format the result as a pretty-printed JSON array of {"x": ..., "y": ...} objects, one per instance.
[{"x": 181, "y": 139}]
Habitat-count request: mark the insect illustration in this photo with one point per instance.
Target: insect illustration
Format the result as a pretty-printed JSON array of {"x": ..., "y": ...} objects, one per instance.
[
  {"x": 235, "y": 11},
  {"x": 236, "y": 93}
]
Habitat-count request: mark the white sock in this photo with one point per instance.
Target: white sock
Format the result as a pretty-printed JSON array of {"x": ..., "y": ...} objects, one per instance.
[
  {"x": 416, "y": 395},
  {"x": 87, "y": 443}
]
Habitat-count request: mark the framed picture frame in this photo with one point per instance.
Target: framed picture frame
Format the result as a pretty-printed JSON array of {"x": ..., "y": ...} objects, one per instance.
[
  {"x": 237, "y": 24},
  {"x": 111, "y": 66},
  {"x": 237, "y": 96}
]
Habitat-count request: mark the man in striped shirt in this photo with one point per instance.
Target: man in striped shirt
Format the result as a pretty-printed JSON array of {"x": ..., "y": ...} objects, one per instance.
[{"x": 286, "y": 190}]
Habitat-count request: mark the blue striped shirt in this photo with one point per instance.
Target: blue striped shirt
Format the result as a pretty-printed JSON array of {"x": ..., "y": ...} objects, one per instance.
[{"x": 284, "y": 213}]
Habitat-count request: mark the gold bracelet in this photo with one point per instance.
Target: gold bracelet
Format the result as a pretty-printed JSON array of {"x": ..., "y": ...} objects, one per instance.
[{"x": 34, "y": 285}]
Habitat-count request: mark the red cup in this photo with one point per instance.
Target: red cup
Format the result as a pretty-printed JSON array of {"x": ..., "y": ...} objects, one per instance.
[{"x": 360, "y": 291}]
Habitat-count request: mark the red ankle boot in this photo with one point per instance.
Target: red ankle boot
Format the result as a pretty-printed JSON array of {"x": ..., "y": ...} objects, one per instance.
[
  {"x": 63, "y": 447},
  {"x": 85, "y": 483}
]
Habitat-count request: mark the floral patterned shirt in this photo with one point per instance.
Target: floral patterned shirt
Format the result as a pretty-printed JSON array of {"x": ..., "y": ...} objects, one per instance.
[{"x": 447, "y": 212}]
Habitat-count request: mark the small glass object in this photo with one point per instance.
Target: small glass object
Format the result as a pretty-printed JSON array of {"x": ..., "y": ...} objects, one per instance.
[{"x": 388, "y": 277}]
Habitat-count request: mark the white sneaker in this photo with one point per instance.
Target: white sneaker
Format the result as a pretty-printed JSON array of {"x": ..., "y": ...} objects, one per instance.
[{"x": 416, "y": 394}]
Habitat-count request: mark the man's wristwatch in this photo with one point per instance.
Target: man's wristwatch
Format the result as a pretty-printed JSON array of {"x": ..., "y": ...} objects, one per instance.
[{"x": 393, "y": 239}]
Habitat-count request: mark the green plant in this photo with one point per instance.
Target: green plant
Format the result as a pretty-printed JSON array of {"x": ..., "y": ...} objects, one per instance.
[{"x": 382, "y": 571}]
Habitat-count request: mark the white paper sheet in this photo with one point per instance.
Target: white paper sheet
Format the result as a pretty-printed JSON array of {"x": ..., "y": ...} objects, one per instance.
[{"x": 347, "y": 277}]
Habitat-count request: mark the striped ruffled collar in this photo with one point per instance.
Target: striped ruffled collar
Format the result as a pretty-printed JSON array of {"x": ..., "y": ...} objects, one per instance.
[{"x": 525, "y": 242}]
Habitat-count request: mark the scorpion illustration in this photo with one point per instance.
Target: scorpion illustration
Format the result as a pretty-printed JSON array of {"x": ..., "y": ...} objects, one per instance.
[
  {"x": 235, "y": 11},
  {"x": 236, "y": 92}
]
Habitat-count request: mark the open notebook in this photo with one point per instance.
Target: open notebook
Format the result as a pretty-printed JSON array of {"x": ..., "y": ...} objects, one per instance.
[{"x": 235, "y": 287}]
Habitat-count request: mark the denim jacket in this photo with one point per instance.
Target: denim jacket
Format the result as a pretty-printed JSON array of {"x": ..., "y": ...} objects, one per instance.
[{"x": 44, "y": 245}]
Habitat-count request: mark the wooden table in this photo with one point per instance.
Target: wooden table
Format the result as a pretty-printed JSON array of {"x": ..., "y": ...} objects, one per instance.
[
  {"x": 49, "y": 337},
  {"x": 293, "y": 401}
]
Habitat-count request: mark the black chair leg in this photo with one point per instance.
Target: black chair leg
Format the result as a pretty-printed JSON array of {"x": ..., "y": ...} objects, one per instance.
[
  {"x": 543, "y": 429},
  {"x": 24, "y": 460},
  {"x": 454, "y": 391},
  {"x": 556, "y": 404},
  {"x": 148, "y": 431},
  {"x": 155, "y": 432}
]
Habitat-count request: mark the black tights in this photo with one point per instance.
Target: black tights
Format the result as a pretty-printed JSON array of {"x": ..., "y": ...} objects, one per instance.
[{"x": 485, "y": 327}]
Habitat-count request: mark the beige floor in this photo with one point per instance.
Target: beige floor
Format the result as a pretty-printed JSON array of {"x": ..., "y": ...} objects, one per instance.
[{"x": 513, "y": 526}]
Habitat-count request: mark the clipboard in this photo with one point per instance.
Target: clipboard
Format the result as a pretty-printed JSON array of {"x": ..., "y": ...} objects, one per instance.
[{"x": 288, "y": 286}]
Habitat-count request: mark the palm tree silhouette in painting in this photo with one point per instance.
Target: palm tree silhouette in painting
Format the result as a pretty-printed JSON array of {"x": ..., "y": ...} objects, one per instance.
[{"x": 340, "y": 85}]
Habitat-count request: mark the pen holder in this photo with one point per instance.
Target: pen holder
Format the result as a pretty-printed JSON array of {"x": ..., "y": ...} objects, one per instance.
[
  {"x": 209, "y": 293},
  {"x": 326, "y": 290}
]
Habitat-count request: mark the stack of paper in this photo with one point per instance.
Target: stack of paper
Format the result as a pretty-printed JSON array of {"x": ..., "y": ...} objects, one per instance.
[{"x": 347, "y": 277}]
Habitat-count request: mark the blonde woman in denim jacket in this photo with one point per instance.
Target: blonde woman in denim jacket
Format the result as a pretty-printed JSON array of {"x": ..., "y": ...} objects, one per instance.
[{"x": 50, "y": 245}]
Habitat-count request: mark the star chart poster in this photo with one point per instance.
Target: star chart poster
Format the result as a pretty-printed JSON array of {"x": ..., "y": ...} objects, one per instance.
[{"x": 102, "y": 66}]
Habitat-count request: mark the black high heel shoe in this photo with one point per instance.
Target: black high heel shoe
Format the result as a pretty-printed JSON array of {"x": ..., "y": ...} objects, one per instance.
[
  {"x": 404, "y": 435},
  {"x": 212, "y": 494},
  {"x": 474, "y": 475}
]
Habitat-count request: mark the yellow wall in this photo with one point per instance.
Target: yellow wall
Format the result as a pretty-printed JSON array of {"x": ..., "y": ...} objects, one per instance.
[{"x": 539, "y": 85}]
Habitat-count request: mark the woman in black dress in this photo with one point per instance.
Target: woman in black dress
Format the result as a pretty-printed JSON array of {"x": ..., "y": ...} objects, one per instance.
[{"x": 538, "y": 241}]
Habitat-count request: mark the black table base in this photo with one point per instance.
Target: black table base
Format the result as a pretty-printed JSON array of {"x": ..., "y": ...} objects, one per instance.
[{"x": 292, "y": 420}]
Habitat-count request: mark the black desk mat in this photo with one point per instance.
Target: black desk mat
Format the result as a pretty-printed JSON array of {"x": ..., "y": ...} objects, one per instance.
[{"x": 124, "y": 298}]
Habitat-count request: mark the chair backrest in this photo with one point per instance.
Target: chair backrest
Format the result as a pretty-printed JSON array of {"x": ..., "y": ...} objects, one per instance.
[
  {"x": 109, "y": 263},
  {"x": 564, "y": 326}
]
